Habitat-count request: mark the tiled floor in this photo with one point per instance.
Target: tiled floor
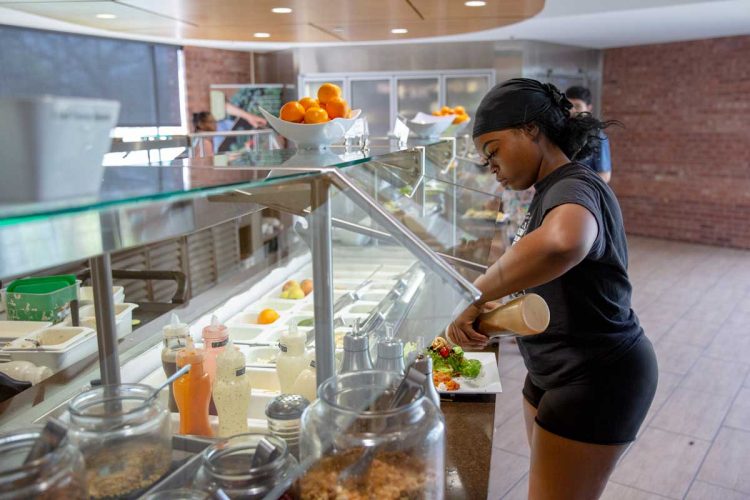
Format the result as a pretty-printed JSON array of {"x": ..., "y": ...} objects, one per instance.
[{"x": 694, "y": 304}]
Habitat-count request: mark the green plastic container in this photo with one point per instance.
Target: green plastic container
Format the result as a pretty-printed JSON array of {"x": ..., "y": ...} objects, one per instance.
[{"x": 41, "y": 299}]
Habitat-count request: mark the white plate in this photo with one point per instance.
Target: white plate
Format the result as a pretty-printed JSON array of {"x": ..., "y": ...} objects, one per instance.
[{"x": 488, "y": 381}]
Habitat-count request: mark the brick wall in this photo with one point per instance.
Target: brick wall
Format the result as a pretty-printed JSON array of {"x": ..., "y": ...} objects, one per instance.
[
  {"x": 204, "y": 67},
  {"x": 681, "y": 167}
]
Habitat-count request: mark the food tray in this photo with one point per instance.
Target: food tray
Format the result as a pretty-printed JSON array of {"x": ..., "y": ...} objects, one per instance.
[
  {"x": 11, "y": 330},
  {"x": 86, "y": 295},
  {"x": 123, "y": 318},
  {"x": 80, "y": 344}
]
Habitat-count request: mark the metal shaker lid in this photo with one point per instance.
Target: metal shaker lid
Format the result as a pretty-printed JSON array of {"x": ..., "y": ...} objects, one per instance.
[
  {"x": 286, "y": 407},
  {"x": 355, "y": 342},
  {"x": 423, "y": 364},
  {"x": 390, "y": 349}
]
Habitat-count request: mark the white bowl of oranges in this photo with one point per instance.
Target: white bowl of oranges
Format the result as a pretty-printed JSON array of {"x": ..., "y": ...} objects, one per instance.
[
  {"x": 447, "y": 122},
  {"x": 315, "y": 123}
]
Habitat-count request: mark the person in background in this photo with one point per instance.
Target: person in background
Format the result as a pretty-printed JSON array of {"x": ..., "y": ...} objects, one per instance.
[
  {"x": 600, "y": 161},
  {"x": 203, "y": 121}
]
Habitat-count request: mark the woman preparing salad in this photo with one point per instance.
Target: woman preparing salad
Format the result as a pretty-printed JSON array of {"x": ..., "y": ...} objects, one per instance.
[{"x": 592, "y": 374}]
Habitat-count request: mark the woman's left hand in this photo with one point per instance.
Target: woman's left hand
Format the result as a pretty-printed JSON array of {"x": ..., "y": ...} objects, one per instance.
[{"x": 462, "y": 332}]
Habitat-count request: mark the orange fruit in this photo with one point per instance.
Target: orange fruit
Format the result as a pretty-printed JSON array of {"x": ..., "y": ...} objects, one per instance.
[
  {"x": 308, "y": 102},
  {"x": 445, "y": 110},
  {"x": 436, "y": 113},
  {"x": 328, "y": 91},
  {"x": 337, "y": 108},
  {"x": 307, "y": 286},
  {"x": 292, "y": 112},
  {"x": 460, "y": 118},
  {"x": 267, "y": 316},
  {"x": 316, "y": 115},
  {"x": 459, "y": 110}
]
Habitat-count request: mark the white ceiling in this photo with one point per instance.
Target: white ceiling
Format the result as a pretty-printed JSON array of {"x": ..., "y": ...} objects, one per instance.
[{"x": 586, "y": 23}]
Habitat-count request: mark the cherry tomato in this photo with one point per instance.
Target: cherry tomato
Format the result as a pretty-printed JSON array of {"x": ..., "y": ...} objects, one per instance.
[{"x": 444, "y": 352}]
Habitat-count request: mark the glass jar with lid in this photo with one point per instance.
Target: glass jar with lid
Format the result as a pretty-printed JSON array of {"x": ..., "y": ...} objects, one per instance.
[
  {"x": 400, "y": 451},
  {"x": 58, "y": 474},
  {"x": 125, "y": 438},
  {"x": 230, "y": 465}
]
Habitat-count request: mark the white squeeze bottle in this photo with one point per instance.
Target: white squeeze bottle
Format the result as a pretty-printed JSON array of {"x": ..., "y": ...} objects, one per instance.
[
  {"x": 231, "y": 392},
  {"x": 306, "y": 383},
  {"x": 292, "y": 359}
]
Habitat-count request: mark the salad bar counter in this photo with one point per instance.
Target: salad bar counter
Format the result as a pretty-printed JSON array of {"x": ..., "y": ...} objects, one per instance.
[{"x": 323, "y": 373}]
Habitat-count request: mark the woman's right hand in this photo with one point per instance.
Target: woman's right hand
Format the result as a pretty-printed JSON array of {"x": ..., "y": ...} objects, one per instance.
[{"x": 462, "y": 332}]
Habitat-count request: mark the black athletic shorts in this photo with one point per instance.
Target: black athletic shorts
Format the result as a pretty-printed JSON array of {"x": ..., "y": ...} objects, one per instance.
[{"x": 606, "y": 406}]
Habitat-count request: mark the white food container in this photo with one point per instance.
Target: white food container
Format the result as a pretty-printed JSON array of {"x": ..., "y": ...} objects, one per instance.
[
  {"x": 56, "y": 347},
  {"x": 53, "y": 147},
  {"x": 11, "y": 330},
  {"x": 86, "y": 295},
  {"x": 123, "y": 318}
]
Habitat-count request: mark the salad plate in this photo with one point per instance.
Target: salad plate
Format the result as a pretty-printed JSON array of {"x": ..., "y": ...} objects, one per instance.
[{"x": 458, "y": 372}]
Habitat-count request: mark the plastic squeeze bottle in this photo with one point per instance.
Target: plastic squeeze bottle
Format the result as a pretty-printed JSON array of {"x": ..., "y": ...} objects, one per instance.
[
  {"x": 231, "y": 392},
  {"x": 175, "y": 338},
  {"x": 306, "y": 383},
  {"x": 215, "y": 339},
  {"x": 192, "y": 392},
  {"x": 292, "y": 359}
]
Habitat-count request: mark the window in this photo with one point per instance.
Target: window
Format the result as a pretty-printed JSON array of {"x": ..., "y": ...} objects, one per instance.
[
  {"x": 466, "y": 91},
  {"x": 143, "y": 77},
  {"x": 418, "y": 94},
  {"x": 375, "y": 97}
]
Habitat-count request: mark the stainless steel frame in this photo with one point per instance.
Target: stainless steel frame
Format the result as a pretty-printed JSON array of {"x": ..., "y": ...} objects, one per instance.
[
  {"x": 320, "y": 229},
  {"x": 106, "y": 330}
]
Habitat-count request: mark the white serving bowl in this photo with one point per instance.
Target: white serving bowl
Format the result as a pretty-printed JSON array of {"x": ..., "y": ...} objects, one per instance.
[
  {"x": 312, "y": 136},
  {"x": 428, "y": 126},
  {"x": 454, "y": 130}
]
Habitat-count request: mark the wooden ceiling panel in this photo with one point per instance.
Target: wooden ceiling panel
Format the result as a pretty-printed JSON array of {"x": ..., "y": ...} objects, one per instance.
[
  {"x": 218, "y": 13},
  {"x": 84, "y": 13},
  {"x": 310, "y": 21},
  {"x": 423, "y": 29},
  {"x": 242, "y": 32},
  {"x": 455, "y": 9}
]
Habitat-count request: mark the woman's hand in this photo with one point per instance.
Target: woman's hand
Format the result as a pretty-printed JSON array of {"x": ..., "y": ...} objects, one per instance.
[{"x": 462, "y": 332}]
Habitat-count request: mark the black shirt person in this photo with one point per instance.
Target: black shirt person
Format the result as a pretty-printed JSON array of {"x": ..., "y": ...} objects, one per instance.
[
  {"x": 600, "y": 160},
  {"x": 592, "y": 374}
]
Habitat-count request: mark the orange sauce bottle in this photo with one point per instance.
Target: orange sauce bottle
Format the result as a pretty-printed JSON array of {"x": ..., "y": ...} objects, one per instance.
[{"x": 192, "y": 392}]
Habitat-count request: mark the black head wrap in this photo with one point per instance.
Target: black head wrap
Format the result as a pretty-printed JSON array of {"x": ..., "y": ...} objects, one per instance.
[{"x": 516, "y": 102}]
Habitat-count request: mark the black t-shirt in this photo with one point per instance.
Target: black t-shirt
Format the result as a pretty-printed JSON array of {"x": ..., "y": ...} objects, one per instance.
[{"x": 591, "y": 321}]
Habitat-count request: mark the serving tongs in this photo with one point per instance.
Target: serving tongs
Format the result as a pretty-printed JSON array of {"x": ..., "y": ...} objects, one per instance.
[{"x": 409, "y": 387}]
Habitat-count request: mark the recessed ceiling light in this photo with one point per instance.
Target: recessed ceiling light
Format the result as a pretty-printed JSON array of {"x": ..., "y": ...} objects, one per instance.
[
  {"x": 475, "y": 3},
  {"x": 281, "y": 10},
  {"x": 399, "y": 31},
  {"x": 262, "y": 35},
  {"x": 106, "y": 16}
]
